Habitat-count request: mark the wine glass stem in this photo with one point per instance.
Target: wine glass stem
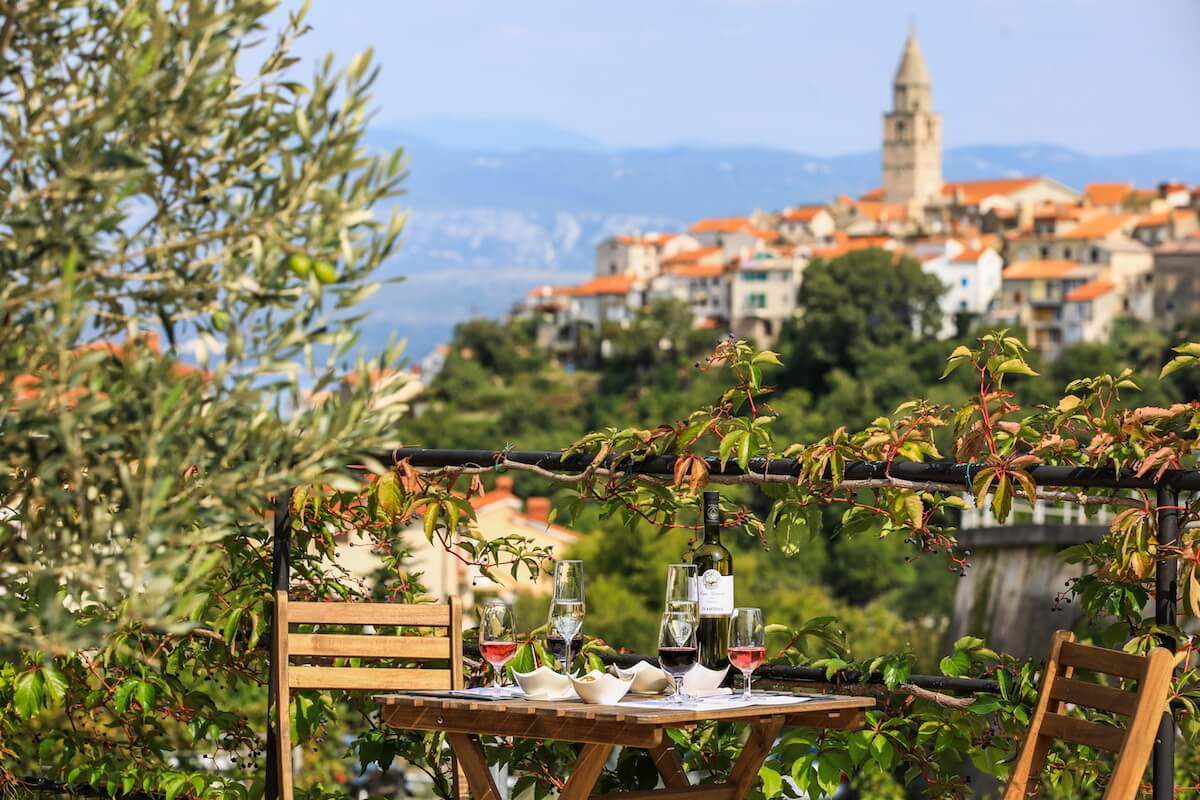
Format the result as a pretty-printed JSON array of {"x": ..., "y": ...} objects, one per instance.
[
  {"x": 746, "y": 686},
  {"x": 678, "y": 689},
  {"x": 495, "y": 677},
  {"x": 567, "y": 660}
]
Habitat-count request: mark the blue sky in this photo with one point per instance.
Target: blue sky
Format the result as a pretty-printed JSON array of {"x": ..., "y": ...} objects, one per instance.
[{"x": 806, "y": 75}]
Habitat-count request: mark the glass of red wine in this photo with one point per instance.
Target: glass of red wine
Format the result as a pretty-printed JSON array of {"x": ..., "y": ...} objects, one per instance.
[
  {"x": 497, "y": 637},
  {"x": 747, "y": 645},
  {"x": 677, "y": 646}
]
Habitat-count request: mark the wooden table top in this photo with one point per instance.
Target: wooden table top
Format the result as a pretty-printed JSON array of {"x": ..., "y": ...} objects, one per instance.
[{"x": 624, "y": 712}]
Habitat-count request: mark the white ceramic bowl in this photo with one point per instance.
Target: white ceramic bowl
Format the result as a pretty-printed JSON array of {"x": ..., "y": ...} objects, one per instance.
[
  {"x": 545, "y": 684},
  {"x": 601, "y": 688},
  {"x": 702, "y": 679},
  {"x": 647, "y": 678}
]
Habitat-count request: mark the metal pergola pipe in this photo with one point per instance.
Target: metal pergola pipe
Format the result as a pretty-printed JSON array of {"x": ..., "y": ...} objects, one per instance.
[{"x": 1166, "y": 487}]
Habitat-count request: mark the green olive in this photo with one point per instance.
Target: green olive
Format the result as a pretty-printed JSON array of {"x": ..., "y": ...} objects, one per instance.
[
  {"x": 325, "y": 271},
  {"x": 299, "y": 264},
  {"x": 220, "y": 320}
]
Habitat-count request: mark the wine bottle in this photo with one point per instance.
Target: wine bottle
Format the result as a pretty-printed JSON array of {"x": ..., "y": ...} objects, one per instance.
[{"x": 714, "y": 578}]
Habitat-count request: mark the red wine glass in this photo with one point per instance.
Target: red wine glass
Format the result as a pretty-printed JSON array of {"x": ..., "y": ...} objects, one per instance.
[
  {"x": 747, "y": 645},
  {"x": 497, "y": 637},
  {"x": 677, "y": 646}
]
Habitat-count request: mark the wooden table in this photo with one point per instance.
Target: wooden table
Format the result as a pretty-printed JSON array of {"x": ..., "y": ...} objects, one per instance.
[{"x": 601, "y": 728}]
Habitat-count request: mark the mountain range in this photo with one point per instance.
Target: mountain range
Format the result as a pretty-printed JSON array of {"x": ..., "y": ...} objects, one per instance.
[{"x": 497, "y": 208}]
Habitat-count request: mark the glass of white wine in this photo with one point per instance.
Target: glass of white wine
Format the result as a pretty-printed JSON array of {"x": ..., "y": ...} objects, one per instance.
[{"x": 567, "y": 609}]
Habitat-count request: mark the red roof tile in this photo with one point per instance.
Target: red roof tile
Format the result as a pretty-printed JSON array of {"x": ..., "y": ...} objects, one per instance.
[
  {"x": 1038, "y": 269},
  {"x": 975, "y": 192},
  {"x": 1089, "y": 291},
  {"x": 720, "y": 225},
  {"x": 1107, "y": 194}
]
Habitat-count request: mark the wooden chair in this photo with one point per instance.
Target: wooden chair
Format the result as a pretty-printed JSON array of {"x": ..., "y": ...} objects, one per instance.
[
  {"x": 445, "y": 648},
  {"x": 1143, "y": 709}
]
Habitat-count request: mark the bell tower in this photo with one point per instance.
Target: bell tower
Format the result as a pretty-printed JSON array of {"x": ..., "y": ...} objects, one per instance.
[{"x": 912, "y": 134}]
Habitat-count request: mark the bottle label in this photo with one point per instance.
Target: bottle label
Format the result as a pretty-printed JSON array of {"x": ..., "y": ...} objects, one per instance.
[{"x": 715, "y": 594}]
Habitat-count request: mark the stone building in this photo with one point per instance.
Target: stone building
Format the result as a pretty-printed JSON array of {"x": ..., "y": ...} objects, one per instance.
[
  {"x": 912, "y": 134},
  {"x": 1176, "y": 282}
]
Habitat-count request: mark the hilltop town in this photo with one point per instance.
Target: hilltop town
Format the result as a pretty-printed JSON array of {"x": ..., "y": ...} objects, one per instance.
[{"x": 1063, "y": 263}]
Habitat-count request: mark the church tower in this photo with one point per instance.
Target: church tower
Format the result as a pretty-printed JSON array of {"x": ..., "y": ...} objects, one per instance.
[{"x": 912, "y": 134}]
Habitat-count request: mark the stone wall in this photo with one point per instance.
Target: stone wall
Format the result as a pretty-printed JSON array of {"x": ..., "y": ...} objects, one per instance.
[{"x": 1009, "y": 594}]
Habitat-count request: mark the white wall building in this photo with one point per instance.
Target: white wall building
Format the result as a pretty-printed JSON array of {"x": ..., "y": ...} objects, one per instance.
[
  {"x": 762, "y": 294},
  {"x": 971, "y": 275}
]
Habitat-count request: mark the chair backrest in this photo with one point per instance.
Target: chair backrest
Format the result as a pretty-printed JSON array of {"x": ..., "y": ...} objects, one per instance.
[
  {"x": 1143, "y": 709},
  {"x": 319, "y": 646}
]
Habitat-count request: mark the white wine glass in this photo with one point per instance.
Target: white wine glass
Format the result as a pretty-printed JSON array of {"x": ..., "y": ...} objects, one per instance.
[
  {"x": 567, "y": 607},
  {"x": 681, "y": 589}
]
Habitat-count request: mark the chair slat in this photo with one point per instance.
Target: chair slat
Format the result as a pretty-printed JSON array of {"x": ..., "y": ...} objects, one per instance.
[
  {"x": 1099, "y": 659},
  {"x": 362, "y": 646},
  {"x": 376, "y": 678},
  {"x": 1079, "y": 731},
  {"x": 413, "y": 615},
  {"x": 1093, "y": 695}
]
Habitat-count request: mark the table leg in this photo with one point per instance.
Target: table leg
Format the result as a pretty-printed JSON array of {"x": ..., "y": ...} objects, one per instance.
[
  {"x": 670, "y": 765},
  {"x": 758, "y": 746},
  {"x": 587, "y": 771},
  {"x": 472, "y": 761}
]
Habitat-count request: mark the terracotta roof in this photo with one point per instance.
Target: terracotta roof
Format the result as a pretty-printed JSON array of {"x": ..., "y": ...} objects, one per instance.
[
  {"x": 691, "y": 256},
  {"x": 1052, "y": 210},
  {"x": 880, "y": 212},
  {"x": 697, "y": 270},
  {"x": 604, "y": 285},
  {"x": 720, "y": 225},
  {"x": 1035, "y": 269},
  {"x": 1107, "y": 194},
  {"x": 1153, "y": 220},
  {"x": 1089, "y": 291},
  {"x": 802, "y": 213},
  {"x": 970, "y": 255},
  {"x": 861, "y": 242},
  {"x": 874, "y": 194},
  {"x": 765, "y": 234},
  {"x": 975, "y": 192},
  {"x": 648, "y": 239},
  {"x": 1097, "y": 226}
]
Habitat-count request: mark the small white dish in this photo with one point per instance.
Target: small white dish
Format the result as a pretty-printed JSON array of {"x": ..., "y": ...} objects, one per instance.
[
  {"x": 601, "y": 688},
  {"x": 701, "y": 679},
  {"x": 545, "y": 684},
  {"x": 647, "y": 678}
]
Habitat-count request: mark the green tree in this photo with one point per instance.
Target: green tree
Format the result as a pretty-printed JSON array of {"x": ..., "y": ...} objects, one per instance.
[
  {"x": 865, "y": 297},
  {"x": 186, "y": 231}
]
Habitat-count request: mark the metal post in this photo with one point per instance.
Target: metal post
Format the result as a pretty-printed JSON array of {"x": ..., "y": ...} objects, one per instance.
[
  {"x": 281, "y": 573},
  {"x": 1166, "y": 580}
]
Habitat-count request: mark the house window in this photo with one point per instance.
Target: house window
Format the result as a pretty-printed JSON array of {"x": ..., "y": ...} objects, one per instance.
[
  {"x": 1095, "y": 254},
  {"x": 756, "y": 300},
  {"x": 1067, "y": 253},
  {"x": 964, "y": 282},
  {"x": 754, "y": 275},
  {"x": 1016, "y": 297},
  {"x": 1045, "y": 251}
]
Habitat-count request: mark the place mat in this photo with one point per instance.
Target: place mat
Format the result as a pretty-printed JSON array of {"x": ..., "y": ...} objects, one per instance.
[
  {"x": 721, "y": 702},
  {"x": 478, "y": 693}
]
